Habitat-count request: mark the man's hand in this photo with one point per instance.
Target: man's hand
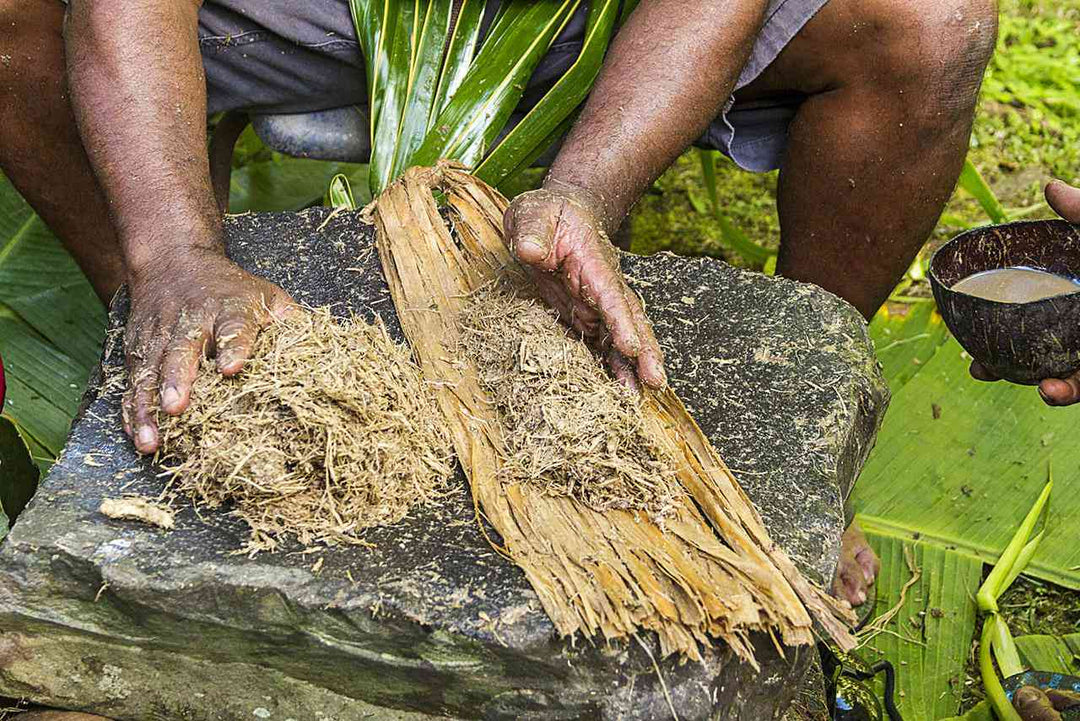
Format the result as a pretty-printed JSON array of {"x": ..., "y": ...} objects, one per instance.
[
  {"x": 185, "y": 308},
  {"x": 1065, "y": 200},
  {"x": 560, "y": 234}
]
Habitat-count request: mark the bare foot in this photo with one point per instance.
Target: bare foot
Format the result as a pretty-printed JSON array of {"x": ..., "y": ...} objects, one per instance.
[{"x": 858, "y": 567}]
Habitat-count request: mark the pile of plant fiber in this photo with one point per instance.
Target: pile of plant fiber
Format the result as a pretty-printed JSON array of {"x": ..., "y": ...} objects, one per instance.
[
  {"x": 328, "y": 430},
  {"x": 569, "y": 428}
]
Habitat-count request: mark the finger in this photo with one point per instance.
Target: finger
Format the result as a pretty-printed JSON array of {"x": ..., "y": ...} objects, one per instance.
[
  {"x": 1064, "y": 199},
  {"x": 1033, "y": 705},
  {"x": 181, "y": 365},
  {"x": 605, "y": 289},
  {"x": 1060, "y": 392},
  {"x": 869, "y": 563},
  {"x": 141, "y": 400},
  {"x": 530, "y": 230},
  {"x": 623, "y": 370},
  {"x": 650, "y": 361},
  {"x": 980, "y": 373},
  {"x": 571, "y": 313},
  {"x": 237, "y": 326},
  {"x": 596, "y": 278}
]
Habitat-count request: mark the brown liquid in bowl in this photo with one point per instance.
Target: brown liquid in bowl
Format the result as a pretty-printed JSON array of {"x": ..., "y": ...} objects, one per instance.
[{"x": 1016, "y": 285}]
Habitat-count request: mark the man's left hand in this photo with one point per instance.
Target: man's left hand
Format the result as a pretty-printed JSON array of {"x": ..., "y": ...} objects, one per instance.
[{"x": 1065, "y": 200}]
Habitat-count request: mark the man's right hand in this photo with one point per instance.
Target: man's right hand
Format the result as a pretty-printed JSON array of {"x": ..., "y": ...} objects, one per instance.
[
  {"x": 192, "y": 305},
  {"x": 559, "y": 233}
]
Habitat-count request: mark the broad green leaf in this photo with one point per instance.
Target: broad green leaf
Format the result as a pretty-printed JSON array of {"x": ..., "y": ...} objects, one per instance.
[
  {"x": 18, "y": 474},
  {"x": 929, "y": 639},
  {"x": 558, "y": 104},
  {"x": 41, "y": 283},
  {"x": 44, "y": 383},
  {"x": 906, "y": 341},
  {"x": 286, "y": 183},
  {"x": 981, "y": 712},
  {"x": 972, "y": 181},
  {"x": 1055, "y": 654},
  {"x": 960, "y": 477}
]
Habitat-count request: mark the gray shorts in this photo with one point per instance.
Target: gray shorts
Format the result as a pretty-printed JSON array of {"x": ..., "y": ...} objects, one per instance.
[{"x": 282, "y": 56}]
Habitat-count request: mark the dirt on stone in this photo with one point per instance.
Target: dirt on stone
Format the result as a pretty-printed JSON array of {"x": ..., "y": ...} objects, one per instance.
[
  {"x": 328, "y": 430},
  {"x": 570, "y": 429}
]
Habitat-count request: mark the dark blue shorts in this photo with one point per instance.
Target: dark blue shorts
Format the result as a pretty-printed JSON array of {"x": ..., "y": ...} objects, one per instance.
[{"x": 281, "y": 56}]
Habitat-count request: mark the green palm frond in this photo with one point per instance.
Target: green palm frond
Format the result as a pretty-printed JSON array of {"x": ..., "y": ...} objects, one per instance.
[{"x": 436, "y": 91}]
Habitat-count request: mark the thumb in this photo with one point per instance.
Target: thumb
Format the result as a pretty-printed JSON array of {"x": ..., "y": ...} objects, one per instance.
[
  {"x": 530, "y": 230},
  {"x": 1064, "y": 199}
]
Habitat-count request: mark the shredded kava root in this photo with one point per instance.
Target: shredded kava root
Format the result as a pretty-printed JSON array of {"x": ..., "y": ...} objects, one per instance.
[
  {"x": 328, "y": 430},
  {"x": 711, "y": 573},
  {"x": 569, "y": 427}
]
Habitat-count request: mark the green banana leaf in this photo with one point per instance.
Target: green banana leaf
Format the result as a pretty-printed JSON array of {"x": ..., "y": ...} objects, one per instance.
[
  {"x": 906, "y": 342},
  {"x": 958, "y": 461},
  {"x": 929, "y": 639},
  {"x": 40, "y": 283},
  {"x": 51, "y": 328}
]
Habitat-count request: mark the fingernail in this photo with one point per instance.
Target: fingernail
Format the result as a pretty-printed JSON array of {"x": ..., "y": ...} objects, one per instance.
[
  {"x": 532, "y": 245},
  {"x": 146, "y": 436},
  {"x": 170, "y": 398}
]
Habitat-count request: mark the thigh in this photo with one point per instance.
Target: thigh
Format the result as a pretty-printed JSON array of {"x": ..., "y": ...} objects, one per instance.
[{"x": 280, "y": 55}]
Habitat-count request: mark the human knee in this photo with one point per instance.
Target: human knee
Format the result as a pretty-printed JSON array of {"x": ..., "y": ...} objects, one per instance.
[{"x": 939, "y": 49}]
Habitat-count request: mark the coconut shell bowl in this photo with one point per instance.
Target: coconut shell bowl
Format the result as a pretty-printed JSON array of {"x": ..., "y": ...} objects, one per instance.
[{"x": 1020, "y": 342}]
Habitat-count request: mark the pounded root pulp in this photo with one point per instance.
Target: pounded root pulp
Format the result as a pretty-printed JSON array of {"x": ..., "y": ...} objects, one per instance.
[
  {"x": 570, "y": 429},
  {"x": 328, "y": 430}
]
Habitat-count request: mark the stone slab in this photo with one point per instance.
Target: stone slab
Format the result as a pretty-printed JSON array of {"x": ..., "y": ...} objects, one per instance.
[{"x": 130, "y": 622}]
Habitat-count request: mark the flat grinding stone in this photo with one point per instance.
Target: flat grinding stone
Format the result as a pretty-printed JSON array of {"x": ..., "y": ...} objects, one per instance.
[{"x": 132, "y": 622}]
